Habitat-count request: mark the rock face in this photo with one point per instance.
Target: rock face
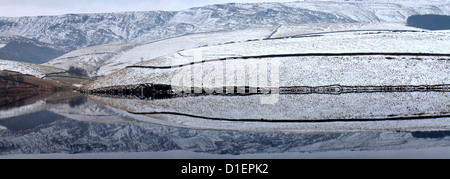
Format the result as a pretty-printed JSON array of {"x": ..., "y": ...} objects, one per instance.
[{"x": 73, "y": 31}]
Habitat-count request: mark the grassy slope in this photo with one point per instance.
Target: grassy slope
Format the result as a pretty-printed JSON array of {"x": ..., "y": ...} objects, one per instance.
[{"x": 17, "y": 88}]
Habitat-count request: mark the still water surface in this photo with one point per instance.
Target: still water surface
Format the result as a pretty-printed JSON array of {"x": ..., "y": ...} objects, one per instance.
[{"x": 72, "y": 125}]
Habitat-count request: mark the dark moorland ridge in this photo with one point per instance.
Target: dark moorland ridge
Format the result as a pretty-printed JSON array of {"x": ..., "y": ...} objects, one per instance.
[
  {"x": 430, "y": 22},
  {"x": 29, "y": 52}
]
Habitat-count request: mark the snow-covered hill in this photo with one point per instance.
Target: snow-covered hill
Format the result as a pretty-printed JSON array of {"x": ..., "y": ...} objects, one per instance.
[
  {"x": 59, "y": 75},
  {"x": 105, "y": 59},
  {"x": 92, "y": 59},
  {"x": 28, "y": 68},
  {"x": 314, "y": 71},
  {"x": 73, "y": 31}
]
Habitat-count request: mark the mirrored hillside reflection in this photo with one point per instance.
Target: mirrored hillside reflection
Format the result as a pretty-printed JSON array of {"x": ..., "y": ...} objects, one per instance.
[
  {"x": 162, "y": 91},
  {"x": 76, "y": 123}
]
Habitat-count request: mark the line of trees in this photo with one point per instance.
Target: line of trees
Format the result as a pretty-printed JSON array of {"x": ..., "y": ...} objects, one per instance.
[{"x": 77, "y": 71}]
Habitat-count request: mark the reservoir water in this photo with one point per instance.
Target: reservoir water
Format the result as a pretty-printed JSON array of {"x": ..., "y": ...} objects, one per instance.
[{"x": 73, "y": 125}]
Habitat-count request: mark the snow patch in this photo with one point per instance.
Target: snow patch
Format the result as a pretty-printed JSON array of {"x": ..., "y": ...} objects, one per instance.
[{"x": 78, "y": 85}]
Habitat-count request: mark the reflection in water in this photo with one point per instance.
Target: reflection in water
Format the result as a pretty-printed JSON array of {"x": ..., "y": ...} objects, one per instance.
[
  {"x": 77, "y": 101},
  {"x": 161, "y": 91},
  {"x": 72, "y": 123},
  {"x": 431, "y": 134},
  {"x": 11, "y": 100},
  {"x": 30, "y": 121}
]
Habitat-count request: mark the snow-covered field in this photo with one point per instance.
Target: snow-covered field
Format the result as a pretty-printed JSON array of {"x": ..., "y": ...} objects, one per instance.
[
  {"x": 91, "y": 58},
  {"x": 297, "y": 71},
  {"x": 28, "y": 68},
  {"x": 311, "y": 71},
  {"x": 345, "y": 42},
  {"x": 106, "y": 59},
  {"x": 305, "y": 29},
  {"x": 164, "y": 47}
]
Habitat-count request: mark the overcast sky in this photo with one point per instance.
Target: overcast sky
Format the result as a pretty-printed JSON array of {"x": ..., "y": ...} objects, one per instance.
[{"x": 14, "y": 8}]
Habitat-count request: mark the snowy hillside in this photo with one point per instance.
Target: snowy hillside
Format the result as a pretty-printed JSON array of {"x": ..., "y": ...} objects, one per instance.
[
  {"x": 105, "y": 59},
  {"x": 28, "y": 68},
  {"x": 47, "y": 73},
  {"x": 74, "y": 31},
  {"x": 317, "y": 70},
  {"x": 91, "y": 59},
  {"x": 317, "y": 29}
]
